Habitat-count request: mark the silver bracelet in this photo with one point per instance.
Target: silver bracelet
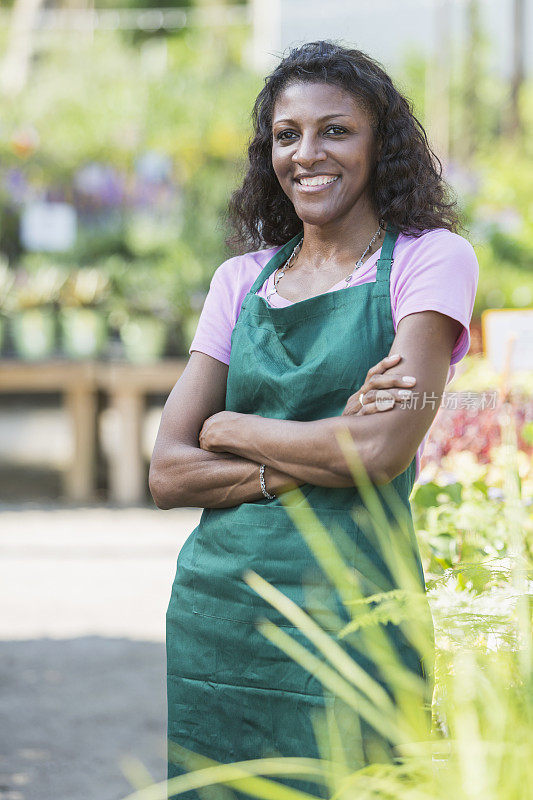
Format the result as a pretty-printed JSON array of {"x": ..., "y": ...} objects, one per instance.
[{"x": 262, "y": 482}]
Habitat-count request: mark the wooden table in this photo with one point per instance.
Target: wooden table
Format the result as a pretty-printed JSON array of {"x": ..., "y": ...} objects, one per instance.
[{"x": 126, "y": 386}]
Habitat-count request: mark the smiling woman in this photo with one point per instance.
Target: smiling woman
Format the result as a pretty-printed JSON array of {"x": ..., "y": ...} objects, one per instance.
[
  {"x": 345, "y": 205},
  {"x": 313, "y": 156}
]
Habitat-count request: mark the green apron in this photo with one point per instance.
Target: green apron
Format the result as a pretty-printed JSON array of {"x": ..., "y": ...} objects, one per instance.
[{"x": 232, "y": 694}]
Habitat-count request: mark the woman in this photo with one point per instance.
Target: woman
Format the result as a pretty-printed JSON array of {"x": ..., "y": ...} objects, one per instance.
[{"x": 362, "y": 262}]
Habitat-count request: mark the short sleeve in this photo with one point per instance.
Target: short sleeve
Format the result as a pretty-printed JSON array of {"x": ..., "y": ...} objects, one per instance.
[
  {"x": 229, "y": 285},
  {"x": 213, "y": 332},
  {"x": 438, "y": 271}
]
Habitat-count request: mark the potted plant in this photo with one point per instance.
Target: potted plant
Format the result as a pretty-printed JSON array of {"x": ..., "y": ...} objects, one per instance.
[
  {"x": 82, "y": 319},
  {"x": 142, "y": 309},
  {"x": 6, "y": 282},
  {"x": 31, "y": 304}
]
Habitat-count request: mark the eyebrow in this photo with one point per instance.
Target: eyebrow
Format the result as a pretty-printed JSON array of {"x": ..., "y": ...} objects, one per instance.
[{"x": 320, "y": 119}]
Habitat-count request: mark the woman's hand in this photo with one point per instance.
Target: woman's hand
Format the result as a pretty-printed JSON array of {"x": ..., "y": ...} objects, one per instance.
[
  {"x": 380, "y": 391},
  {"x": 218, "y": 431}
]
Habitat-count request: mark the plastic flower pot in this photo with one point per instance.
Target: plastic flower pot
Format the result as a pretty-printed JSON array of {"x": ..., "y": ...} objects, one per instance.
[
  {"x": 33, "y": 333},
  {"x": 83, "y": 332},
  {"x": 144, "y": 339}
]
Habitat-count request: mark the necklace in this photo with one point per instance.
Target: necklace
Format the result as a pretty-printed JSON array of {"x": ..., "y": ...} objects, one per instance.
[{"x": 290, "y": 261}]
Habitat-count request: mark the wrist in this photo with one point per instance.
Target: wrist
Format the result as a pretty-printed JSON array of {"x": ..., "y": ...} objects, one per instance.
[
  {"x": 230, "y": 436},
  {"x": 277, "y": 482},
  {"x": 241, "y": 436}
]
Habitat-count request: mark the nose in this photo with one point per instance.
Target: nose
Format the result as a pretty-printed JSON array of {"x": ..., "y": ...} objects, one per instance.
[{"x": 308, "y": 151}]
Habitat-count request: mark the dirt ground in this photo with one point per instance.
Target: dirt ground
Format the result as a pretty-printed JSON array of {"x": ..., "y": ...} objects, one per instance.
[{"x": 83, "y": 596}]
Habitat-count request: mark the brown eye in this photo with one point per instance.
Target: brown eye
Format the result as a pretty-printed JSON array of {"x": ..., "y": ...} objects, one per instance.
[{"x": 280, "y": 135}]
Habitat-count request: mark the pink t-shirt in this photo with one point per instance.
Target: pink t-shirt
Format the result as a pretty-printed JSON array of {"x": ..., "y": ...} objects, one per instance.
[{"x": 437, "y": 271}]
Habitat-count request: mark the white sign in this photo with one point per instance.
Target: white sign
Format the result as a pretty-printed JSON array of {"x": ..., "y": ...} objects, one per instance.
[
  {"x": 508, "y": 330},
  {"x": 48, "y": 226}
]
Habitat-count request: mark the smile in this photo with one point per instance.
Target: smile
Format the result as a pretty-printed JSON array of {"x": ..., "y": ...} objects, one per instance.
[{"x": 316, "y": 183}]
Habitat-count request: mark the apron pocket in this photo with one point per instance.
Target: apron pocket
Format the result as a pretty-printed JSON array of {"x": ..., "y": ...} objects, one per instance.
[
  {"x": 264, "y": 539},
  {"x": 221, "y": 556}
]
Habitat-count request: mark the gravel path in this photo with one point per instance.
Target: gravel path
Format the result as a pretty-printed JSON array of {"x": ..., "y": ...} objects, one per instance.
[{"x": 83, "y": 594}]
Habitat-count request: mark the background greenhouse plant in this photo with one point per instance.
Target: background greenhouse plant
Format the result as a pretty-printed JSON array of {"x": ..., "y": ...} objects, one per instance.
[
  {"x": 150, "y": 182},
  {"x": 480, "y": 746}
]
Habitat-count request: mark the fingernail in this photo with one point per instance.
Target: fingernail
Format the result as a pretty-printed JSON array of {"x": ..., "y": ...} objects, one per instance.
[
  {"x": 389, "y": 358},
  {"x": 404, "y": 393},
  {"x": 408, "y": 379}
]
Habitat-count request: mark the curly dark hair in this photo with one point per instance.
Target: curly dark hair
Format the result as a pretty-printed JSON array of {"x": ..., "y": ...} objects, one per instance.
[{"x": 406, "y": 184}]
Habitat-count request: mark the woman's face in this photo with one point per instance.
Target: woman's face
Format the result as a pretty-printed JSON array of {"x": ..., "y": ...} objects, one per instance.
[{"x": 322, "y": 150}]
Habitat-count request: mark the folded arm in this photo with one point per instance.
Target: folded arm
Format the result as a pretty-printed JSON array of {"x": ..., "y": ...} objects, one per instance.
[
  {"x": 182, "y": 474},
  {"x": 386, "y": 443},
  {"x": 207, "y": 457}
]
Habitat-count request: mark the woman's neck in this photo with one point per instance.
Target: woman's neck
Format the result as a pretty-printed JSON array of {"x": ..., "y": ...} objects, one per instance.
[{"x": 340, "y": 242}]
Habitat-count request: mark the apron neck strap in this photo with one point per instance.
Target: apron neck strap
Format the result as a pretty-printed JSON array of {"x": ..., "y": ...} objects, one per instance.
[
  {"x": 383, "y": 266},
  {"x": 276, "y": 261}
]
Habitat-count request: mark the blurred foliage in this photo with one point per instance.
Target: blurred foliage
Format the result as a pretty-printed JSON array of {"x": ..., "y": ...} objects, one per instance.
[
  {"x": 459, "y": 499},
  {"x": 491, "y": 177},
  {"x": 113, "y": 97},
  {"x": 476, "y": 374},
  {"x": 113, "y": 4},
  {"x": 500, "y": 215},
  {"x": 457, "y": 507},
  {"x": 185, "y": 96}
]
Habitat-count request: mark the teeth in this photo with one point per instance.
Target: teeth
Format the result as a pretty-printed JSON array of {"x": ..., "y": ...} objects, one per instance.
[{"x": 318, "y": 180}]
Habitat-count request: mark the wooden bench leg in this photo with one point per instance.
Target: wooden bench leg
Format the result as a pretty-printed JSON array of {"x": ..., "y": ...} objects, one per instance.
[
  {"x": 79, "y": 479},
  {"x": 127, "y": 480}
]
